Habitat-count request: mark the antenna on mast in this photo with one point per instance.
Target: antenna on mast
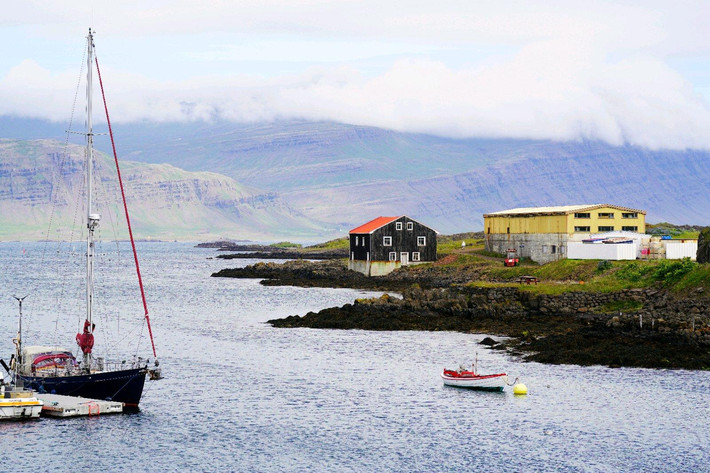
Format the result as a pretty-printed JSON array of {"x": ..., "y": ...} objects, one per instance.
[{"x": 18, "y": 341}]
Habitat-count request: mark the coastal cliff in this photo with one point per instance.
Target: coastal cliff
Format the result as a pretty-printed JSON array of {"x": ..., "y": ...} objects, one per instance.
[{"x": 41, "y": 179}]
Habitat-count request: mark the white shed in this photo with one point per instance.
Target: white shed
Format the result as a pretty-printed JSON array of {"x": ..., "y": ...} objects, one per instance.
[
  {"x": 679, "y": 249},
  {"x": 607, "y": 251}
]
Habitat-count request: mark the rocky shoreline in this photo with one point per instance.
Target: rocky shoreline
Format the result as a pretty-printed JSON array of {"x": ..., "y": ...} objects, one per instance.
[
  {"x": 653, "y": 329},
  {"x": 265, "y": 252},
  {"x": 285, "y": 254}
]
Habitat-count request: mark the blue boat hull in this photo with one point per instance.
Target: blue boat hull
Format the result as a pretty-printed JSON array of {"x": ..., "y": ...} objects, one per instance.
[{"x": 122, "y": 386}]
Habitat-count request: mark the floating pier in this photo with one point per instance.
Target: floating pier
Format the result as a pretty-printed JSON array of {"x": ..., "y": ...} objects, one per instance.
[{"x": 56, "y": 405}]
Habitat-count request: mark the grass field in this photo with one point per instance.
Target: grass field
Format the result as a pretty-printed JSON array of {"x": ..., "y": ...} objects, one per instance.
[{"x": 678, "y": 276}]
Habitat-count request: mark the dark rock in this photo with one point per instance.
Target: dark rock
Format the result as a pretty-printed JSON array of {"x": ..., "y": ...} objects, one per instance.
[
  {"x": 488, "y": 341},
  {"x": 703, "y": 254},
  {"x": 564, "y": 328}
]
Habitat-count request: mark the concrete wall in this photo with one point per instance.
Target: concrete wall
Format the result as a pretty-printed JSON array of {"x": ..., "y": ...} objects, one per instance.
[
  {"x": 541, "y": 247},
  {"x": 374, "y": 268}
]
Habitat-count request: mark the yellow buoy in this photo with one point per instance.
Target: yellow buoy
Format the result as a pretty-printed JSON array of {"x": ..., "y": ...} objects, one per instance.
[{"x": 520, "y": 389}]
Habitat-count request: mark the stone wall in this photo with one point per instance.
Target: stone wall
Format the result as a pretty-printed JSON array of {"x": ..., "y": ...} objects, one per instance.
[{"x": 653, "y": 310}]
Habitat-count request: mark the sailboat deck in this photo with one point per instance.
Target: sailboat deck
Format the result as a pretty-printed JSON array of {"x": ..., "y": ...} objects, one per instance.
[{"x": 56, "y": 405}]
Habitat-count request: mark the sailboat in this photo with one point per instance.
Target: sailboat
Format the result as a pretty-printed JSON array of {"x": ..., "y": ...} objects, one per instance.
[{"x": 53, "y": 369}]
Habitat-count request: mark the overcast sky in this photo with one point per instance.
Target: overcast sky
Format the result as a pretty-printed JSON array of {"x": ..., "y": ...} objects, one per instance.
[{"x": 623, "y": 72}]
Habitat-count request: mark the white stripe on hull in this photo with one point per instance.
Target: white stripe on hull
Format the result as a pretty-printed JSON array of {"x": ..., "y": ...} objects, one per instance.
[{"x": 494, "y": 382}]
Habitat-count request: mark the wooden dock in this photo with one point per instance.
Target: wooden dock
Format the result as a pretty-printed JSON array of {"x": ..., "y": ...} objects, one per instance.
[{"x": 69, "y": 406}]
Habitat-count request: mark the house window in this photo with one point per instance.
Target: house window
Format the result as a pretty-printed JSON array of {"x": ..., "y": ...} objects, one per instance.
[
  {"x": 629, "y": 215},
  {"x": 356, "y": 241},
  {"x": 606, "y": 214},
  {"x": 410, "y": 226},
  {"x": 415, "y": 256},
  {"x": 421, "y": 241},
  {"x": 630, "y": 229},
  {"x": 387, "y": 241},
  {"x": 393, "y": 256},
  {"x": 554, "y": 249},
  {"x": 605, "y": 229},
  {"x": 398, "y": 225},
  {"x": 583, "y": 215},
  {"x": 582, "y": 229}
]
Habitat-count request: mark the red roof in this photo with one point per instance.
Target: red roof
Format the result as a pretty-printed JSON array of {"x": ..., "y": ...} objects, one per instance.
[{"x": 373, "y": 225}]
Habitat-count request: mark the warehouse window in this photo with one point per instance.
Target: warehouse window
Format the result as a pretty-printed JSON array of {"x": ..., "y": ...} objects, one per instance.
[
  {"x": 398, "y": 225},
  {"x": 583, "y": 215},
  {"x": 630, "y": 229},
  {"x": 605, "y": 229},
  {"x": 410, "y": 226},
  {"x": 387, "y": 241},
  {"x": 393, "y": 256},
  {"x": 629, "y": 215},
  {"x": 606, "y": 214},
  {"x": 415, "y": 256},
  {"x": 582, "y": 229},
  {"x": 421, "y": 241}
]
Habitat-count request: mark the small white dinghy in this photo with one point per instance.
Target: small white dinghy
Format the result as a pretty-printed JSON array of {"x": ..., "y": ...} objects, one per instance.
[{"x": 462, "y": 378}]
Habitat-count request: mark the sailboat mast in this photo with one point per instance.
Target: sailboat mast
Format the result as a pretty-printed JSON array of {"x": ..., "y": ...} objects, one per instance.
[{"x": 92, "y": 218}]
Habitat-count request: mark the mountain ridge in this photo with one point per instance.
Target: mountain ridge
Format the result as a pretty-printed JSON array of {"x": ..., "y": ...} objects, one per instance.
[{"x": 337, "y": 176}]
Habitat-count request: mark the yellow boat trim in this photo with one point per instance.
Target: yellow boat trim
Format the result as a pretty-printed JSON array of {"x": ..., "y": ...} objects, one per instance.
[{"x": 21, "y": 403}]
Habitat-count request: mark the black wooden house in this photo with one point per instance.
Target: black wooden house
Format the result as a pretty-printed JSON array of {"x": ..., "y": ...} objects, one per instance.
[{"x": 386, "y": 243}]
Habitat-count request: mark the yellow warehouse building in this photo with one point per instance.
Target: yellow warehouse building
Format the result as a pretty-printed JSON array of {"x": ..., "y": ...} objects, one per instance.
[{"x": 542, "y": 233}]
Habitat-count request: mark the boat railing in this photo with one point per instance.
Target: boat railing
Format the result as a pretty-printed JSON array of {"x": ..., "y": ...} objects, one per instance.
[
  {"x": 102, "y": 364},
  {"x": 98, "y": 364},
  {"x": 115, "y": 365}
]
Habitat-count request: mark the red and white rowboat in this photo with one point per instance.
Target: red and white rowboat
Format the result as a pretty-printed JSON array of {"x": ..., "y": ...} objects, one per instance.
[{"x": 469, "y": 379}]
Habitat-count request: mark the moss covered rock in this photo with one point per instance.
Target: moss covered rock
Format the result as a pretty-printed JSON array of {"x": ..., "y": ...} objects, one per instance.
[{"x": 703, "y": 255}]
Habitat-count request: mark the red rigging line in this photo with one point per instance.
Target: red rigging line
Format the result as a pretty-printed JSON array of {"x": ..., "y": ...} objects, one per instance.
[{"x": 125, "y": 207}]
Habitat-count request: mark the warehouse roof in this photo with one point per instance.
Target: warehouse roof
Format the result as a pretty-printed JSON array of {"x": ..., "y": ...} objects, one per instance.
[{"x": 558, "y": 210}]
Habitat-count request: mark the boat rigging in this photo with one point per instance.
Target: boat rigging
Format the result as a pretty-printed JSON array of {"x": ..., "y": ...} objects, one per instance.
[{"x": 54, "y": 369}]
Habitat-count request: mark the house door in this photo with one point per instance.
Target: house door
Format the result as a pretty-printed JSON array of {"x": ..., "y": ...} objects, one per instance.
[{"x": 404, "y": 257}]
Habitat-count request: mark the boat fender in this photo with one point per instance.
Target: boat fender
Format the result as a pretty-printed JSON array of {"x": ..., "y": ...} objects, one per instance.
[{"x": 520, "y": 389}]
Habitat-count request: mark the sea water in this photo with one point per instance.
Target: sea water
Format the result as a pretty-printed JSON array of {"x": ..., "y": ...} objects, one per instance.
[{"x": 239, "y": 395}]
